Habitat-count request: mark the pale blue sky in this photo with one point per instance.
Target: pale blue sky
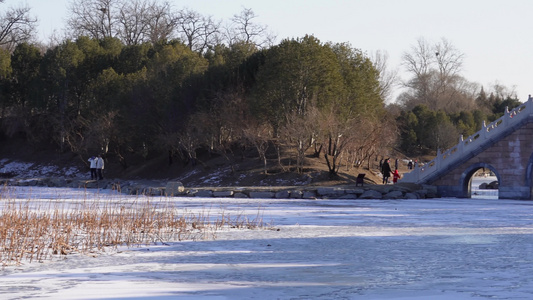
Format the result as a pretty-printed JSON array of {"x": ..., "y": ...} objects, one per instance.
[{"x": 495, "y": 35}]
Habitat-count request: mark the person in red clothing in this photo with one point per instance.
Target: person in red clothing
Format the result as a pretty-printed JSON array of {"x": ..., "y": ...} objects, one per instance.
[{"x": 395, "y": 176}]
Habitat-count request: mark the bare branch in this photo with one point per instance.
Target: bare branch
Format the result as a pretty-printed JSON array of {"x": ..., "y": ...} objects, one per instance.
[
  {"x": 387, "y": 78},
  {"x": 94, "y": 18},
  {"x": 162, "y": 24},
  {"x": 134, "y": 18},
  {"x": 449, "y": 59},
  {"x": 243, "y": 29},
  {"x": 16, "y": 26},
  {"x": 419, "y": 59},
  {"x": 133, "y": 22},
  {"x": 436, "y": 80},
  {"x": 198, "y": 32}
]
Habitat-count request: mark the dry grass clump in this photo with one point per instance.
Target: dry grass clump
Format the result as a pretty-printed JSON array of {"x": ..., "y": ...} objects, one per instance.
[{"x": 32, "y": 230}]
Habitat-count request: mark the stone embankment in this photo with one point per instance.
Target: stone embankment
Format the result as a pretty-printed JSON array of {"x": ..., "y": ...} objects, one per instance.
[{"x": 175, "y": 188}]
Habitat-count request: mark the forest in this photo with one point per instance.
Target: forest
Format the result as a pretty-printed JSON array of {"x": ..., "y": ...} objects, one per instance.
[{"x": 138, "y": 78}]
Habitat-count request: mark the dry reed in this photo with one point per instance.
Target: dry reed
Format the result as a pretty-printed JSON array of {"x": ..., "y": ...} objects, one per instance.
[{"x": 33, "y": 230}]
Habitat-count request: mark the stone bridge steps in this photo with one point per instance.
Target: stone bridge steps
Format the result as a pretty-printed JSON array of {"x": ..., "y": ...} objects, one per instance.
[{"x": 505, "y": 147}]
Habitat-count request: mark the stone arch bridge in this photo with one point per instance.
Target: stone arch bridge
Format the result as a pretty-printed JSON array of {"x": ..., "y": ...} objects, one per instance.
[{"x": 504, "y": 147}]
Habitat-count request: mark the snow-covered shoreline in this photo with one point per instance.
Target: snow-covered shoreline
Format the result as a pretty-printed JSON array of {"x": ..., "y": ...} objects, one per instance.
[{"x": 32, "y": 175}]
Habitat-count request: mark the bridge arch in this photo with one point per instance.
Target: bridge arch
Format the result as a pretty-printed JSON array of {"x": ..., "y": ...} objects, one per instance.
[
  {"x": 505, "y": 142},
  {"x": 529, "y": 176},
  {"x": 468, "y": 174}
]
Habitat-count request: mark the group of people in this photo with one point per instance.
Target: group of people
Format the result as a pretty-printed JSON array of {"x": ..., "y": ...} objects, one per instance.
[
  {"x": 386, "y": 172},
  {"x": 96, "y": 165}
]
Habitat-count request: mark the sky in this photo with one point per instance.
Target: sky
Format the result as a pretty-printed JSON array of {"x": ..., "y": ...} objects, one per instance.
[{"x": 493, "y": 35}]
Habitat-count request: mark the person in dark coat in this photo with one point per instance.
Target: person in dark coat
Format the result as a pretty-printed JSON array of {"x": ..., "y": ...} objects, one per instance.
[
  {"x": 100, "y": 167},
  {"x": 386, "y": 171}
]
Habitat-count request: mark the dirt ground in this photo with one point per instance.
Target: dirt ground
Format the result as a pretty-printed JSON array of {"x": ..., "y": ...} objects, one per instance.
[{"x": 233, "y": 169}]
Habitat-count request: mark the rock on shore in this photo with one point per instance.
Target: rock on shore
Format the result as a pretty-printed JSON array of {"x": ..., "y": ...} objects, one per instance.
[{"x": 176, "y": 189}]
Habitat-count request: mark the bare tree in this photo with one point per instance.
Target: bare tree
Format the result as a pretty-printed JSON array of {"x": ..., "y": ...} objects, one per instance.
[
  {"x": 189, "y": 142},
  {"x": 449, "y": 61},
  {"x": 374, "y": 136},
  {"x": 387, "y": 78},
  {"x": 259, "y": 135},
  {"x": 133, "y": 18},
  {"x": 134, "y": 22},
  {"x": 197, "y": 31},
  {"x": 244, "y": 29},
  {"x": 337, "y": 137},
  {"x": 94, "y": 18},
  {"x": 435, "y": 77},
  {"x": 501, "y": 91},
  {"x": 417, "y": 62},
  {"x": 299, "y": 131},
  {"x": 16, "y": 26},
  {"x": 296, "y": 133},
  {"x": 162, "y": 24}
]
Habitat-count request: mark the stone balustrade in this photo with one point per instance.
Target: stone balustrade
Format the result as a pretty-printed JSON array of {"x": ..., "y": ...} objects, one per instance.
[{"x": 470, "y": 145}]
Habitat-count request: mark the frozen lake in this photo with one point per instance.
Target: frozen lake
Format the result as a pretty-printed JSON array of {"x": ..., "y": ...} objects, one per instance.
[
  {"x": 478, "y": 193},
  {"x": 317, "y": 249}
]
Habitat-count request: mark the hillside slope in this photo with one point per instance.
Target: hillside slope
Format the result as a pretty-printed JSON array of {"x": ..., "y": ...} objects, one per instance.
[{"x": 237, "y": 169}]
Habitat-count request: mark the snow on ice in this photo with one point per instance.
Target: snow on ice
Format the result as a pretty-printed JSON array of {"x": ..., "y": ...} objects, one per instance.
[{"x": 313, "y": 249}]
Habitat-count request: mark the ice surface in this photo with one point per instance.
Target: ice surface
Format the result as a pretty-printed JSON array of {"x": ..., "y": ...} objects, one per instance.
[
  {"x": 478, "y": 193},
  {"x": 315, "y": 249}
]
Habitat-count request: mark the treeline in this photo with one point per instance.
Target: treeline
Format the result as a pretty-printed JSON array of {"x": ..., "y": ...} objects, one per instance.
[
  {"x": 439, "y": 105},
  {"x": 423, "y": 131},
  {"x": 101, "y": 96},
  {"x": 137, "y": 78}
]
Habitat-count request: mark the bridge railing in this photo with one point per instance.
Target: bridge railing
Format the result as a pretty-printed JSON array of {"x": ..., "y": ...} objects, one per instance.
[{"x": 472, "y": 143}]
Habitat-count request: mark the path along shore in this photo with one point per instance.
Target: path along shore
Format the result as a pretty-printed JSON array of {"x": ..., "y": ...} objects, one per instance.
[{"x": 176, "y": 189}]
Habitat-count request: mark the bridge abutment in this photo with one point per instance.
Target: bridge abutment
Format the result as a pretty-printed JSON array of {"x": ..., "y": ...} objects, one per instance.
[
  {"x": 514, "y": 192},
  {"x": 450, "y": 191}
]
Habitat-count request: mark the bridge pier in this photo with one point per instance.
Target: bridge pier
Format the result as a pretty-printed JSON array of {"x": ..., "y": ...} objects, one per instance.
[
  {"x": 514, "y": 192},
  {"x": 451, "y": 191}
]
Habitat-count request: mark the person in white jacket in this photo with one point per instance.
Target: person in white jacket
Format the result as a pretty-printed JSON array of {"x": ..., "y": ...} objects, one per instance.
[
  {"x": 100, "y": 167},
  {"x": 93, "y": 160}
]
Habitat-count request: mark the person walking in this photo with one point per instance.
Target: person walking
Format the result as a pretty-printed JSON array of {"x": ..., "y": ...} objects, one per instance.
[
  {"x": 92, "y": 161},
  {"x": 100, "y": 167},
  {"x": 386, "y": 170},
  {"x": 395, "y": 176}
]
